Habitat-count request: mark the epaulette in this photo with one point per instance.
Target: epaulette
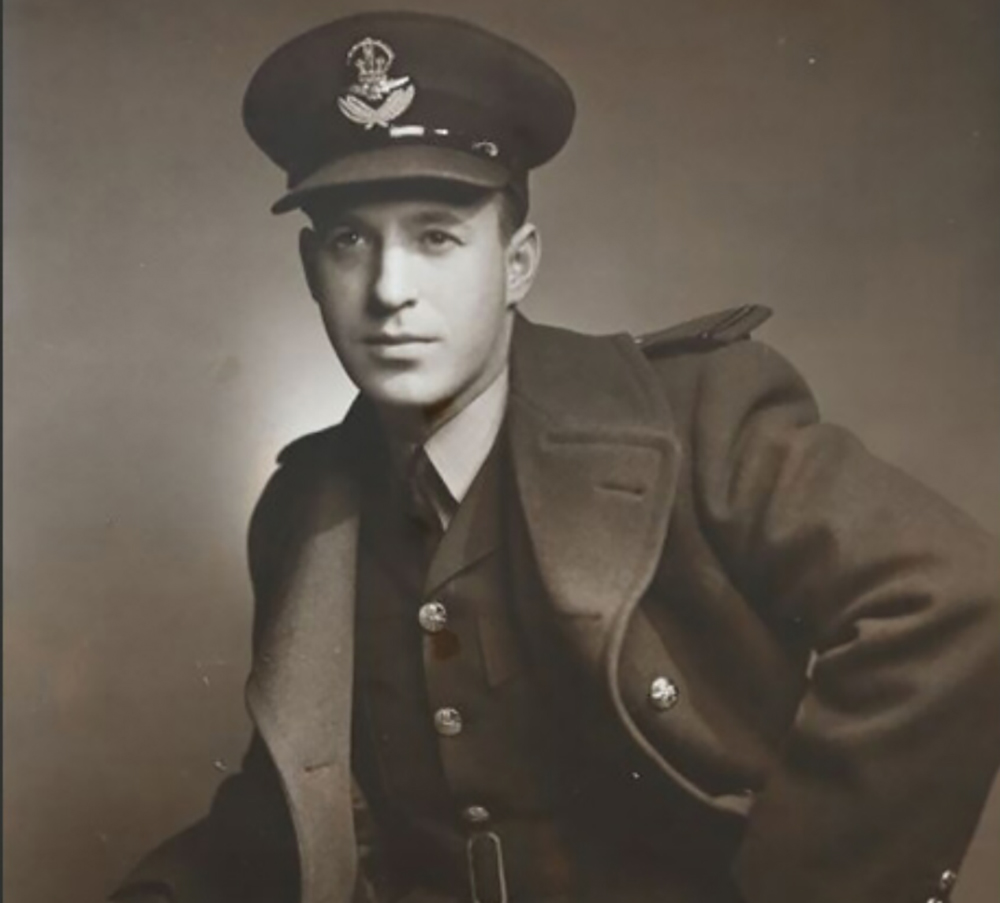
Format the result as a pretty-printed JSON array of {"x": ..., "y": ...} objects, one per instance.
[{"x": 704, "y": 333}]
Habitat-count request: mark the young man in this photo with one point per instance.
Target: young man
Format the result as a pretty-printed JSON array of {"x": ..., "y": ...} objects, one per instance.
[{"x": 553, "y": 617}]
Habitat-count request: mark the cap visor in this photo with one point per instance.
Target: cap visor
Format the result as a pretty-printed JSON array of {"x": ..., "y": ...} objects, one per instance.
[{"x": 389, "y": 164}]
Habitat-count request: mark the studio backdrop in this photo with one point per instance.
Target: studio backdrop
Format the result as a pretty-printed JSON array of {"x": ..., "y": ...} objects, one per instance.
[{"x": 836, "y": 161}]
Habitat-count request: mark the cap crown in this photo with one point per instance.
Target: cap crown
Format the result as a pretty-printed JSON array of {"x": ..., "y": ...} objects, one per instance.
[{"x": 374, "y": 81}]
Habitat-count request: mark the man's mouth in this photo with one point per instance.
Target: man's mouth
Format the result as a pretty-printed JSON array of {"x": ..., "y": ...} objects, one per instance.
[{"x": 383, "y": 339}]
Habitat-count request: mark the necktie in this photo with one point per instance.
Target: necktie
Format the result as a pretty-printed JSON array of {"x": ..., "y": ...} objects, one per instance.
[{"x": 430, "y": 501}]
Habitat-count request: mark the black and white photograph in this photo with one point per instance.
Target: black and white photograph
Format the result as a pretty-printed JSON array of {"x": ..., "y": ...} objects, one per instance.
[{"x": 502, "y": 451}]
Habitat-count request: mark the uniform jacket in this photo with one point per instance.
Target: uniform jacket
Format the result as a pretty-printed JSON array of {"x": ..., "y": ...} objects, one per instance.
[{"x": 832, "y": 628}]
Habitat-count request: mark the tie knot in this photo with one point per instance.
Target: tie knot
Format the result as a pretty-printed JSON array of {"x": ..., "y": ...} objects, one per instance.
[{"x": 431, "y": 502}]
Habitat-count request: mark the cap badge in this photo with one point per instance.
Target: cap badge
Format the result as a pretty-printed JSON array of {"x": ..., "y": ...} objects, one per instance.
[{"x": 392, "y": 97}]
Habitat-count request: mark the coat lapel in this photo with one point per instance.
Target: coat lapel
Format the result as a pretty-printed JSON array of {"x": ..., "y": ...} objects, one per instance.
[
  {"x": 299, "y": 692},
  {"x": 595, "y": 456}
]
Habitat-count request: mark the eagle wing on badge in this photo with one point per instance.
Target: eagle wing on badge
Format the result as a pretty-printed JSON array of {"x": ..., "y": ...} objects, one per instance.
[
  {"x": 361, "y": 113},
  {"x": 396, "y": 104},
  {"x": 357, "y": 111}
]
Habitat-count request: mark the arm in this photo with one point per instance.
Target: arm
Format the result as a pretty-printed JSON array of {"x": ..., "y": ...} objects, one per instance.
[
  {"x": 885, "y": 771},
  {"x": 243, "y": 849}
]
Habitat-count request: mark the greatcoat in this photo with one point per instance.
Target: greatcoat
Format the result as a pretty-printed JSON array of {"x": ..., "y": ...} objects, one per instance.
[{"x": 831, "y": 625}]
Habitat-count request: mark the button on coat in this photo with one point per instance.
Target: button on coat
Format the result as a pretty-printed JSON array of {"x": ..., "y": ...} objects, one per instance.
[
  {"x": 448, "y": 722},
  {"x": 433, "y": 617},
  {"x": 663, "y": 694},
  {"x": 475, "y": 815}
]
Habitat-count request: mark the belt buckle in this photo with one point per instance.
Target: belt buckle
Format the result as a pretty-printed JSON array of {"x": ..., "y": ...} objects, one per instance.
[{"x": 481, "y": 846}]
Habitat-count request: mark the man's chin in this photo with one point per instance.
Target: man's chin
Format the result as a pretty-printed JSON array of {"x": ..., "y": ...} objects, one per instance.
[
  {"x": 413, "y": 417},
  {"x": 396, "y": 398},
  {"x": 404, "y": 398},
  {"x": 402, "y": 392}
]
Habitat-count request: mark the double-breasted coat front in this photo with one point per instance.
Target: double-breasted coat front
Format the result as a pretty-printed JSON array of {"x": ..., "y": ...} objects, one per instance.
[{"x": 829, "y": 627}]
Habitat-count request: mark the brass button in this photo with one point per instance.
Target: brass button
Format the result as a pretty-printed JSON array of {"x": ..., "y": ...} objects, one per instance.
[
  {"x": 947, "y": 880},
  {"x": 433, "y": 617},
  {"x": 475, "y": 815},
  {"x": 663, "y": 694},
  {"x": 448, "y": 722}
]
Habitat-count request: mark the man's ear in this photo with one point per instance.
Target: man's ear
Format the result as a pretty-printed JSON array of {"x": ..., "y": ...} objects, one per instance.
[
  {"x": 308, "y": 251},
  {"x": 524, "y": 253}
]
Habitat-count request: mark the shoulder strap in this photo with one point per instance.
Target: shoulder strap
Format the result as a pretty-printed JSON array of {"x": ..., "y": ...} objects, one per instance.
[{"x": 704, "y": 333}]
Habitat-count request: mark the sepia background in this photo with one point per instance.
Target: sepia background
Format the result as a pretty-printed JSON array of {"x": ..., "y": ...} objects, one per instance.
[{"x": 837, "y": 161}]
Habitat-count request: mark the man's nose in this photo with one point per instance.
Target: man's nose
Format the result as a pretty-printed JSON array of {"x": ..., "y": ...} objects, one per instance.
[{"x": 393, "y": 286}]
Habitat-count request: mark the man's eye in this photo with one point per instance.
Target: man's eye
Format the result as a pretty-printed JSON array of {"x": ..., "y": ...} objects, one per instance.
[
  {"x": 437, "y": 239},
  {"x": 345, "y": 238}
]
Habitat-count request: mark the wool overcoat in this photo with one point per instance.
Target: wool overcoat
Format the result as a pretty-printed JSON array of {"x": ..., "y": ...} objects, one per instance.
[{"x": 833, "y": 629}]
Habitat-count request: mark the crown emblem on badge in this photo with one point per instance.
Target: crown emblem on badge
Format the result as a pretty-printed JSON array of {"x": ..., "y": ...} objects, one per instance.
[{"x": 392, "y": 97}]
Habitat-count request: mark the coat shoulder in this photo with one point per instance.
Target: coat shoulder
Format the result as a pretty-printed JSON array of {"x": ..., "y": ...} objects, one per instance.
[
  {"x": 713, "y": 366},
  {"x": 302, "y": 466},
  {"x": 312, "y": 447}
]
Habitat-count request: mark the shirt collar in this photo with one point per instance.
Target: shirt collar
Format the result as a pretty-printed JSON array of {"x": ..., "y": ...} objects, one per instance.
[{"x": 460, "y": 446}]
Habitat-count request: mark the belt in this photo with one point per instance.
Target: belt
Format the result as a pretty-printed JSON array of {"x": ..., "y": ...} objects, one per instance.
[
  {"x": 487, "y": 873},
  {"x": 549, "y": 861},
  {"x": 511, "y": 861}
]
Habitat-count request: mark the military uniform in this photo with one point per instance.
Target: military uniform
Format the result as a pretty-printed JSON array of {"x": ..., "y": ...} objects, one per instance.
[{"x": 679, "y": 641}]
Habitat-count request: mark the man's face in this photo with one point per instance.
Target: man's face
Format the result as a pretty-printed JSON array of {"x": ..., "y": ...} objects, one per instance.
[{"x": 417, "y": 293}]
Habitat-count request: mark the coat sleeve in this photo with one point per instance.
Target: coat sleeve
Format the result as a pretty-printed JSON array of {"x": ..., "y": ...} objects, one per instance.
[
  {"x": 243, "y": 851},
  {"x": 884, "y": 773}
]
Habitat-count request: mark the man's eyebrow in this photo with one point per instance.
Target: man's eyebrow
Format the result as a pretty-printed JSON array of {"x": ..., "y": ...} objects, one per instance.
[
  {"x": 338, "y": 219},
  {"x": 442, "y": 216}
]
